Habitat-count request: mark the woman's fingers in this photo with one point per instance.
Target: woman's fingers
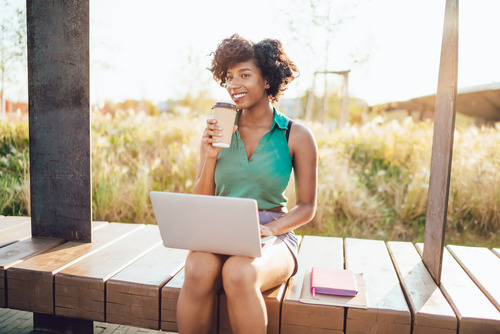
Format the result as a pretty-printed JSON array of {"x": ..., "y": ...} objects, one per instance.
[{"x": 212, "y": 129}]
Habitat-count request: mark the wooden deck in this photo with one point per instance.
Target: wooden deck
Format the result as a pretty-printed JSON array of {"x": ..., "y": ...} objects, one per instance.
[{"x": 126, "y": 276}]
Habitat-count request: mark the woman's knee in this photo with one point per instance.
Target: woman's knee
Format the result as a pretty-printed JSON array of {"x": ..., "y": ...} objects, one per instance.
[
  {"x": 239, "y": 275},
  {"x": 202, "y": 270}
]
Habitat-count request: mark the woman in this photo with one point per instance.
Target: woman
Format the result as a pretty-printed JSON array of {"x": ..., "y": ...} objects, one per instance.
[{"x": 264, "y": 149}]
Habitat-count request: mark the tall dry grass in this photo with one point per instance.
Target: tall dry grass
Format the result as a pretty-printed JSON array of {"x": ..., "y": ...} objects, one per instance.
[
  {"x": 373, "y": 182},
  {"x": 134, "y": 154},
  {"x": 373, "y": 179}
]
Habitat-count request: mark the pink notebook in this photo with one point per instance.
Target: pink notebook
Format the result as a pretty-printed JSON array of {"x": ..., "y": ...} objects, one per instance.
[{"x": 333, "y": 281}]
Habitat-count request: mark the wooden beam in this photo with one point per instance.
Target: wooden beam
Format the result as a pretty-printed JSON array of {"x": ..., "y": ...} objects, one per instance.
[
  {"x": 442, "y": 145},
  {"x": 59, "y": 118}
]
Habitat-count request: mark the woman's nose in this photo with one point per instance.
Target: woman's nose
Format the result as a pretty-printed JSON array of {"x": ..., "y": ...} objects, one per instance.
[{"x": 232, "y": 84}]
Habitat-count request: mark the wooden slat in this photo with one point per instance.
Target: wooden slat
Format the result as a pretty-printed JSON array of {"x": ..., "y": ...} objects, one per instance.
[
  {"x": 7, "y": 223},
  {"x": 80, "y": 288},
  {"x": 14, "y": 229},
  {"x": 98, "y": 224},
  {"x": 169, "y": 296},
  {"x": 133, "y": 295},
  {"x": 430, "y": 310},
  {"x": 16, "y": 253},
  {"x": 298, "y": 317},
  {"x": 483, "y": 267},
  {"x": 387, "y": 310},
  {"x": 31, "y": 283},
  {"x": 496, "y": 251},
  {"x": 475, "y": 313}
]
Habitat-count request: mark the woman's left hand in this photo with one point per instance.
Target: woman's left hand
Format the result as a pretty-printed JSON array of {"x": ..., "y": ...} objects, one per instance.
[{"x": 265, "y": 231}]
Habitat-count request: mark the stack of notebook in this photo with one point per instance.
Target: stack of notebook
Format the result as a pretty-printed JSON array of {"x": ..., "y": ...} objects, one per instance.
[{"x": 334, "y": 287}]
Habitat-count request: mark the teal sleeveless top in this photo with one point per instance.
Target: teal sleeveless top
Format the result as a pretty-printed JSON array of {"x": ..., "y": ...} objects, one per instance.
[{"x": 265, "y": 176}]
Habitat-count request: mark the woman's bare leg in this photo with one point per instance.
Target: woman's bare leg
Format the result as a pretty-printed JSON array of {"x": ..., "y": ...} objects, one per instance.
[
  {"x": 196, "y": 299},
  {"x": 245, "y": 278}
]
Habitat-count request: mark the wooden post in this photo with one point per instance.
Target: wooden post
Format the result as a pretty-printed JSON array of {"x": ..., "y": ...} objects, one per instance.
[
  {"x": 310, "y": 100},
  {"x": 59, "y": 118},
  {"x": 344, "y": 105},
  {"x": 442, "y": 145},
  {"x": 59, "y": 131}
]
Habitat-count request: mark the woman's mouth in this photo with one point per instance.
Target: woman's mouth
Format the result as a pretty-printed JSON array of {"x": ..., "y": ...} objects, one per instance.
[{"x": 238, "y": 96}]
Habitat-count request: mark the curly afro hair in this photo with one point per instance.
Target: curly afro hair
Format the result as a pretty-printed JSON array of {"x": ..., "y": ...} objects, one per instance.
[{"x": 268, "y": 55}]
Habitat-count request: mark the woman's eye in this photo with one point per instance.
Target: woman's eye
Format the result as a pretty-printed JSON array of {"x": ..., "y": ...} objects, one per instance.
[{"x": 245, "y": 75}]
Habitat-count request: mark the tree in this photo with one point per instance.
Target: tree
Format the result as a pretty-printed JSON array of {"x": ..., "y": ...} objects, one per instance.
[
  {"x": 315, "y": 24},
  {"x": 12, "y": 46}
]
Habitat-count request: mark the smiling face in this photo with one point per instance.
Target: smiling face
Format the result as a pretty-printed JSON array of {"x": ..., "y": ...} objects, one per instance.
[{"x": 245, "y": 84}]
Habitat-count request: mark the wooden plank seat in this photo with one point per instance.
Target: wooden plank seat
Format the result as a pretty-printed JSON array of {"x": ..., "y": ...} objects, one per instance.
[
  {"x": 133, "y": 295},
  {"x": 13, "y": 229},
  {"x": 297, "y": 317},
  {"x": 7, "y": 223},
  {"x": 431, "y": 312},
  {"x": 17, "y": 252},
  {"x": 483, "y": 267},
  {"x": 474, "y": 311},
  {"x": 117, "y": 278},
  {"x": 31, "y": 282},
  {"x": 79, "y": 290},
  {"x": 387, "y": 310}
]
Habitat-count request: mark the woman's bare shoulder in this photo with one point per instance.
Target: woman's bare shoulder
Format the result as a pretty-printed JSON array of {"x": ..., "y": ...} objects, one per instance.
[{"x": 301, "y": 134}]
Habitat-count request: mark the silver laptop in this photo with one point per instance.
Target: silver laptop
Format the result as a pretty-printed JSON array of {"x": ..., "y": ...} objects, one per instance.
[{"x": 215, "y": 224}]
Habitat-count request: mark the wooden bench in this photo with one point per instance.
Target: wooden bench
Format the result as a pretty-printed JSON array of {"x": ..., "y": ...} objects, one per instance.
[
  {"x": 79, "y": 290},
  {"x": 125, "y": 276},
  {"x": 430, "y": 311},
  {"x": 483, "y": 267},
  {"x": 297, "y": 317},
  {"x": 387, "y": 310},
  {"x": 31, "y": 282},
  {"x": 474, "y": 311}
]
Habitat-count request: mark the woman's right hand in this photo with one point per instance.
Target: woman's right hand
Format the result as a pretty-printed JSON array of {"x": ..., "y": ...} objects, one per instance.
[
  {"x": 212, "y": 134},
  {"x": 205, "y": 184}
]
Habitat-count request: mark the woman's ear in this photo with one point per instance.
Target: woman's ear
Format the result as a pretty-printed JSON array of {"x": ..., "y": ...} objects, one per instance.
[{"x": 267, "y": 86}]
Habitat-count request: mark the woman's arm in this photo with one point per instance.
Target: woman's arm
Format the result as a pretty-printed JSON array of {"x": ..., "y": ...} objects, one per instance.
[
  {"x": 305, "y": 161},
  {"x": 205, "y": 184}
]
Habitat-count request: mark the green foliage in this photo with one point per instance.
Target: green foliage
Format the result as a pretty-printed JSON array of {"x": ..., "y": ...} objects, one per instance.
[{"x": 14, "y": 168}]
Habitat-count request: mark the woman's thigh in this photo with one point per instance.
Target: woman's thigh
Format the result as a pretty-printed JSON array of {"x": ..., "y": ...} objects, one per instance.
[{"x": 271, "y": 269}]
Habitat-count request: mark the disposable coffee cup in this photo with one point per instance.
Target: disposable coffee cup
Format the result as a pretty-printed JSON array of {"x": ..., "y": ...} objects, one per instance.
[{"x": 225, "y": 114}]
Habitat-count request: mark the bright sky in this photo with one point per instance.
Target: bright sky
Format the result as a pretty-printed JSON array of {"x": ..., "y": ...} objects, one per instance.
[{"x": 157, "y": 49}]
